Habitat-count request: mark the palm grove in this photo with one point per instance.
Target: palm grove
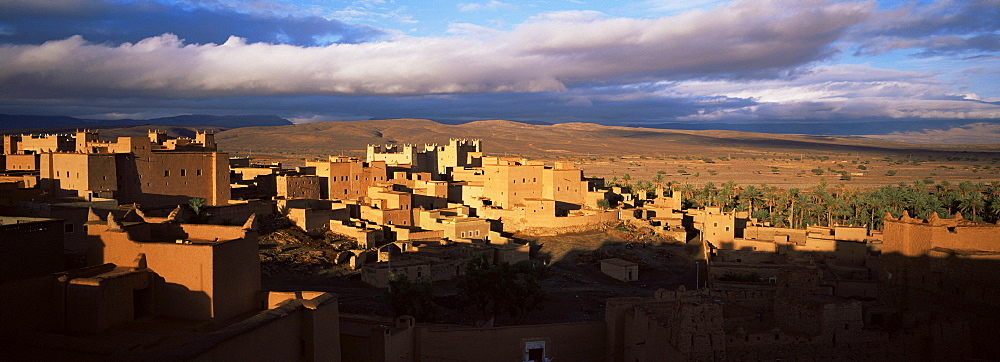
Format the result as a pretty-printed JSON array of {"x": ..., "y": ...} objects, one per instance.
[{"x": 829, "y": 205}]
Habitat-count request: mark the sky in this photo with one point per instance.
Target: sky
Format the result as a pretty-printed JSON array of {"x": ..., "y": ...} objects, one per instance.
[{"x": 609, "y": 62}]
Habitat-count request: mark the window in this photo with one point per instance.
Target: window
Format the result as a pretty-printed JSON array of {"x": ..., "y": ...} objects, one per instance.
[
  {"x": 183, "y": 172},
  {"x": 197, "y": 172},
  {"x": 166, "y": 173}
]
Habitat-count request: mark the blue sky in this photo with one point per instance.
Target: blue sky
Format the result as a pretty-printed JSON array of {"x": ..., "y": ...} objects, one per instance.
[{"x": 634, "y": 62}]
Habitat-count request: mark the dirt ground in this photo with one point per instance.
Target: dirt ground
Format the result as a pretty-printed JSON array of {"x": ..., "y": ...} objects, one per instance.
[{"x": 797, "y": 170}]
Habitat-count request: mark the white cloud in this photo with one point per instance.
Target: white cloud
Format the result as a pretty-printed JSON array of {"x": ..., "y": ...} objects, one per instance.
[
  {"x": 550, "y": 53},
  {"x": 491, "y": 5},
  {"x": 829, "y": 92}
]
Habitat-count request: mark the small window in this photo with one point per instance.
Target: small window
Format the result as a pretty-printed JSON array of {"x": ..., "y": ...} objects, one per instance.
[
  {"x": 197, "y": 172},
  {"x": 166, "y": 173},
  {"x": 183, "y": 172}
]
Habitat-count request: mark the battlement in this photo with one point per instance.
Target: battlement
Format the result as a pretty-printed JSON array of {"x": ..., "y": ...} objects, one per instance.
[{"x": 914, "y": 237}]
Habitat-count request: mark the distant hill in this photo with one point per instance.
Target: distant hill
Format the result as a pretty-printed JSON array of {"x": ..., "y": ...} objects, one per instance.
[
  {"x": 842, "y": 128},
  {"x": 981, "y": 133},
  {"x": 514, "y": 138},
  {"x": 8, "y": 121}
]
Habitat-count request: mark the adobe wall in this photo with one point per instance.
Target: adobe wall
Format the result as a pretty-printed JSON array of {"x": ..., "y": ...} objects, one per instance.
[
  {"x": 516, "y": 221},
  {"x": 563, "y": 342},
  {"x": 507, "y": 185},
  {"x": 236, "y": 269},
  {"x": 186, "y": 285},
  {"x": 912, "y": 237},
  {"x": 769, "y": 233},
  {"x": 298, "y": 329},
  {"x": 30, "y": 249},
  {"x": 307, "y": 219},
  {"x": 298, "y": 187},
  {"x": 564, "y": 185},
  {"x": 22, "y": 162},
  {"x": 47, "y": 143},
  {"x": 620, "y": 272},
  {"x": 464, "y": 228},
  {"x": 387, "y": 216},
  {"x": 31, "y": 305},
  {"x": 851, "y": 253},
  {"x": 191, "y": 174},
  {"x": 366, "y": 237},
  {"x": 94, "y": 304},
  {"x": 238, "y": 213},
  {"x": 79, "y": 172}
]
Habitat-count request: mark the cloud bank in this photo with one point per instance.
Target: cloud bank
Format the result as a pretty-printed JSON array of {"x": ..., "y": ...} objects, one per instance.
[
  {"x": 548, "y": 54},
  {"x": 742, "y": 61}
]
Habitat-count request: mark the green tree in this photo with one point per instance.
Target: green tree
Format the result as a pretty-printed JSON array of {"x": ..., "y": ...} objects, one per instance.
[
  {"x": 514, "y": 290},
  {"x": 197, "y": 205},
  {"x": 410, "y": 298}
]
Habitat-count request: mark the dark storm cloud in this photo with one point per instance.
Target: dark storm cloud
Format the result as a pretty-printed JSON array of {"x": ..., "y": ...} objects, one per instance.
[
  {"x": 945, "y": 27},
  {"x": 106, "y": 21}
]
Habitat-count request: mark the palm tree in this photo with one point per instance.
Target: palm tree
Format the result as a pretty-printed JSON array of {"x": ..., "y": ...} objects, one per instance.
[{"x": 972, "y": 203}]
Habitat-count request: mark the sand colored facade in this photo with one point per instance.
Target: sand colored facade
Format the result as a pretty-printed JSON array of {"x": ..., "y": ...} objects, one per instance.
[
  {"x": 375, "y": 339},
  {"x": 299, "y": 187},
  {"x": 206, "y": 270},
  {"x": 149, "y": 170},
  {"x": 197, "y": 286},
  {"x": 623, "y": 270},
  {"x": 22, "y": 162},
  {"x": 349, "y": 178},
  {"x": 435, "y": 159},
  {"x": 916, "y": 237},
  {"x": 945, "y": 269}
]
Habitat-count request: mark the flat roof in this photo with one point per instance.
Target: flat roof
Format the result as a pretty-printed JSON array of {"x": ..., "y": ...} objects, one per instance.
[{"x": 618, "y": 262}]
